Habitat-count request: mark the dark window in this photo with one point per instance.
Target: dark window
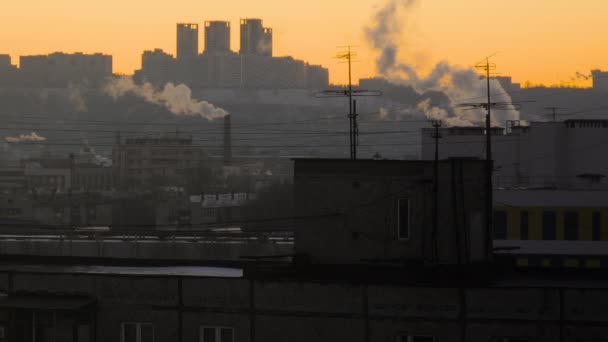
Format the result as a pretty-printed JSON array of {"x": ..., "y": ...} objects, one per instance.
[
  {"x": 129, "y": 332},
  {"x": 571, "y": 225},
  {"x": 534, "y": 262},
  {"x": 403, "y": 218},
  {"x": 523, "y": 222},
  {"x": 226, "y": 335},
  {"x": 596, "y": 226},
  {"x": 137, "y": 332},
  {"x": 146, "y": 333},
  {"x": 416, "y": 338},
  {"x": 208, "y": 335},
  {"x": 91, "y": 212},
  {"x": 500, "y": 225},
  {"x": 549, "y": 225},
  {"x": 216, "y": 334}
]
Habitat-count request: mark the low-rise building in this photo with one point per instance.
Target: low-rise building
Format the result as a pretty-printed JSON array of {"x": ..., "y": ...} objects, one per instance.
[
  {"x": 562, "y": 155},
  {"x": 383, "y": 211},
  {"x": 368, "y": 264},
  {"x": 153, "y": 161}
]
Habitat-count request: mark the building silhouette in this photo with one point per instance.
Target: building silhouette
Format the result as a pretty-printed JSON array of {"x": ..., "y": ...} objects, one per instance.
[
  {"x": 59, "y": 69},
  {"x": 217, "y": 36},
  {"x": 160, "y": 160},
  {"x": 187, "y": 40},
  {"x": 8, "y": 73},
  {"x": 255, "y": 38},
  {"x": 600, "y": 80},
  {"x": 219, "y": 67},
  {"x": 157, "y": 65}
]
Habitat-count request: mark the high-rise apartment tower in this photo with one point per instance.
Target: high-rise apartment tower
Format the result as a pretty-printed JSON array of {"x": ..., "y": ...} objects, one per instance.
[
  {"x": 255, "y": 38},
  {"x": 187, "y": 40},
  {"x": 217, "y": 36}
]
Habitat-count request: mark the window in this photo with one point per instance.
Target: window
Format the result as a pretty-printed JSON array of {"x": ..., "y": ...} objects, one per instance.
[
  {"x": 216, "y": 334},
  {"x": 403, "y": 219},
  {"x": 83, "y": 332},
  {"x": 596, "y": 226},
  {"x": 137, "y": 332},
  {"x": 549, "y": 223},
  {"x": 510, "y": 339},
  {"x": 523, "y": 224},
  {"x": 500, "y": 225},
  {"x": 571, "y": 225},
  {"x": 416, "y": 338}
]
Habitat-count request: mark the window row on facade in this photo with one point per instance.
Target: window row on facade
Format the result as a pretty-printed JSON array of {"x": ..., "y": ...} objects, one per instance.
[{"x": 550, "y": 224}]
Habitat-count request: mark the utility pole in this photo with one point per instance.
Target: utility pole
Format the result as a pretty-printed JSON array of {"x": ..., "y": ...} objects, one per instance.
[
  {"x": 436, "y": 136},
  {"x": 348, "y": 56},
  {"x": 489, "y": 163},
  {"x": 355, "y": 132},
  {"x": 553, "y": 109},
  {"x": 353, "y": 148},
  {"x": 353, "y": 128},
  {"x": 486, "y": 66},
  {"x": 72, "y": 209},
  {"x": 554, "y": 113}
]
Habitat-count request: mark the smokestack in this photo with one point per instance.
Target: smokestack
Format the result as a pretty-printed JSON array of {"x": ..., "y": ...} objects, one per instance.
[{"x": 227, "y": 140}]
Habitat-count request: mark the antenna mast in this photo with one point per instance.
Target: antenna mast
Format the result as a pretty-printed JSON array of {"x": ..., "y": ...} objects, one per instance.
[
  {"x": 489, "y": 167},
  {"x": 352, "y": 117},
  {"x": 352, "y": 104}
]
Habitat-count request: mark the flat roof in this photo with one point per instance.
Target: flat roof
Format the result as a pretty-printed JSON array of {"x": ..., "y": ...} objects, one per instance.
[
  {"x": 551, "y": 198},
  {"x": 552, "y": 247},
  {"x": 187, "y": 271}
]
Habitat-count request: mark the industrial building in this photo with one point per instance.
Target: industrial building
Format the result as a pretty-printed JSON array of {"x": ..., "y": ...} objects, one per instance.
[
  {"x": 187, "y": 41},
  {"x": 550, "y": 188},
  {"x": 557, "y": 155},
  {"x": 152, "y": 161}
]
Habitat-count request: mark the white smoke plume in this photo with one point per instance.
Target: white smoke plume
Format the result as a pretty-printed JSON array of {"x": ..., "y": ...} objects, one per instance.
[
  {"x": 88, "y": 153},
  {"x": 265, "y": 47},
  {"x": 32, "y": 137},
  {"x": 102, "y": 161},
  {"x": 75, "y": 98},
  {"x": 386, "y": 35},
  {"x": 176, "y": 98},
  {"x": 438, "y": 113}
]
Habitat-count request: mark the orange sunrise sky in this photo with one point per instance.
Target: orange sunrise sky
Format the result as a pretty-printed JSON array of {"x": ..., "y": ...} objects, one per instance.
[{"x": 541, "y": 41}]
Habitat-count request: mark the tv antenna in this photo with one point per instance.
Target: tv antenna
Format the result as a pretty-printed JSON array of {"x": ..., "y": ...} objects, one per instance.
[
  {"x": 348, "y": 56},
  {"x": 554, "y": 112}
]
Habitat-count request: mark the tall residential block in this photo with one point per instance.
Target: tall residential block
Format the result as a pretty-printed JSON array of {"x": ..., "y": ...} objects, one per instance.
[
  {"x": 255, "y": 38},
  {"x": 217, "y": 36},
  {"x": 187, "y": 40}
]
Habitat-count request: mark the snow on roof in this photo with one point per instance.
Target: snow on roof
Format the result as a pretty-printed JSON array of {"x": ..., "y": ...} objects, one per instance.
[{"x": 188, "y": 271}]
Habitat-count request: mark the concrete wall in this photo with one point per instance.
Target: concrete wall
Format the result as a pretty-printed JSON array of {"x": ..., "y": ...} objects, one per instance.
[
  {"x": 546, "y": 154},
  {"x": 347, "y": 210},
  {"x": 144, "y": 250},
  {"x": 291, "y": 310}
]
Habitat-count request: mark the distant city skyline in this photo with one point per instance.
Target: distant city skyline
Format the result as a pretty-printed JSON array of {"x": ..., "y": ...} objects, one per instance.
[{"x": 543, "y": 41}]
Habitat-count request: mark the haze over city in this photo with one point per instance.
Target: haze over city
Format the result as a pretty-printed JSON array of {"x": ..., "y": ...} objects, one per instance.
[
  {"x": 319, "y": 171},
  {"x": 564, "y": 38}
]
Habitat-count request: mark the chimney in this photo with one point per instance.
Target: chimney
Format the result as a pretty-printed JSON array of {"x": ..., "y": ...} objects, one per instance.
[{"x": 227, "y": 140}]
